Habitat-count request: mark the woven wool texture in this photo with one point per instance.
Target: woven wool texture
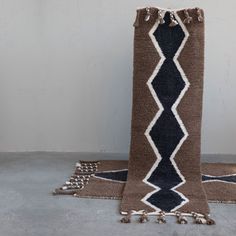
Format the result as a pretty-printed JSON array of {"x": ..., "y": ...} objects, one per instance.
[
  {"x": 164, "y": 171},
  {"x": 219, "y": 182},
  {"x": 164, "y": 164}
]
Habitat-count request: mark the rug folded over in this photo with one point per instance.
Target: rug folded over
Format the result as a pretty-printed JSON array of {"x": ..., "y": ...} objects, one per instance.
[
  {"x": 108, "y": 179},
  {"x": 164, "y": 163}
]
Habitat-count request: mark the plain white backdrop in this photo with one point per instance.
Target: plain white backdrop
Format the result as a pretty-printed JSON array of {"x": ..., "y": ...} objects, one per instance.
[{"x": 66, "y": 74}]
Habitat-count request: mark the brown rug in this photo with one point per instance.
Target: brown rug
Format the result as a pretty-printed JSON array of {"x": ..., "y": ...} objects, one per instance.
[
  {"x": 219, "y": 181},
  {"x": 164, "y": 174},
  {"x": 109, "y": 178},
  {"x": 164, "y": 163}
]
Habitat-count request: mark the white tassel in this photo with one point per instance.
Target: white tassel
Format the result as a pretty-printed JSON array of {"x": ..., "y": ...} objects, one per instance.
[
  {"x": 160, "y": 17},
  {"x": 188, "y": 18},
  {"x": 77, "y": 164},
  {"x": 173, "y": 21},
  {"x": 199, "y": 15},
  {"x": 148, "y": 14}
]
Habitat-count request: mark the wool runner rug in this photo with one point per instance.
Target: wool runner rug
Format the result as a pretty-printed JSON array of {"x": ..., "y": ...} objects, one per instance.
[
  {"x": 164, "y": 164},
  {"x": 107, "y": 180}
]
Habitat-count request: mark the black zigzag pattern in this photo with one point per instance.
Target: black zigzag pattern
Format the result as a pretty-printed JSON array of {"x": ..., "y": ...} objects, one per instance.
[
  {"x": 166, "y": 133},
  {"x": 226, "y": 178},
  {"x": 121, "y": 176}
]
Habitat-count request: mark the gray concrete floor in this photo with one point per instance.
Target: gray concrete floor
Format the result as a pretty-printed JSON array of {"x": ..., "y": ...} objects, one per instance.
[{"x": 28, "y": 208}]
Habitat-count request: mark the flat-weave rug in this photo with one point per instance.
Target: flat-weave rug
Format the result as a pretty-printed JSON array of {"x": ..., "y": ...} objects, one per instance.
[
  {"x": 108, "y": 179},
  {"x": 164, "y": 163},
  {"x": 164, "y": 171}
]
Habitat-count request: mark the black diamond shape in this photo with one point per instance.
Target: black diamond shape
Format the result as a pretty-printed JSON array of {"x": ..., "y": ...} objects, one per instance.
[
  {"x": 169, "y": 38},
  {"x": 165, "y": 175},
  {"x": 166, "y": 134},
  {"x": 168, "y": 84},
  {"x": 165, "y": 200}
]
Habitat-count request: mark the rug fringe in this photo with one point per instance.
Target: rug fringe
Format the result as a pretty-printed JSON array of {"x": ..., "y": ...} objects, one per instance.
[
  {"x": 161, "y": 218},
  {"x": 83, "y": 172},
  {"x": 182, "y": 218},
  {"x": 144, "y": 217},
  {"x": 127, "y": 219}
]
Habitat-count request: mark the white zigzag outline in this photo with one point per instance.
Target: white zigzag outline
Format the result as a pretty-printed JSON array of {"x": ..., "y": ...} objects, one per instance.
[
  {"x": 158, "y": 114},
  {"x": 217, "y": 180}
]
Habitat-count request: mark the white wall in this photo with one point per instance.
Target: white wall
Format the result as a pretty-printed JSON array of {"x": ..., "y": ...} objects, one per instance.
[{"x": 66, "y": 74}]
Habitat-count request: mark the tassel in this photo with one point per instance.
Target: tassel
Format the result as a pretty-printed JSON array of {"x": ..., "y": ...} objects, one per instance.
[
  {"x": 126, "y": 219},
  {"x": 161, "y": 218},
  {"x": 77, "y": 164},
  {"x": 200, "y": 220},
  {"x": 144, "y": 217},
  {"x": 181, "y": 219},
  {"x": 188, "y": 18},
  {"x": 173, "y": 21},
  {"x": 205, "y": 219},
  {"x": 160, "y": 17},
  {"x": 148, "y": 14},
  {"x": 197, "y": 218},
  {"x": 194, "y": 214},
  {"x": 199, "y": 15},
  {"x": 136, "y": 23},
  {"x": 209, "y": 221}
]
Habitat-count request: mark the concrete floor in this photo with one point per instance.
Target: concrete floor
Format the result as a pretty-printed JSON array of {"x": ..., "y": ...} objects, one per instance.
[{"x": 28, "y": 208}]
